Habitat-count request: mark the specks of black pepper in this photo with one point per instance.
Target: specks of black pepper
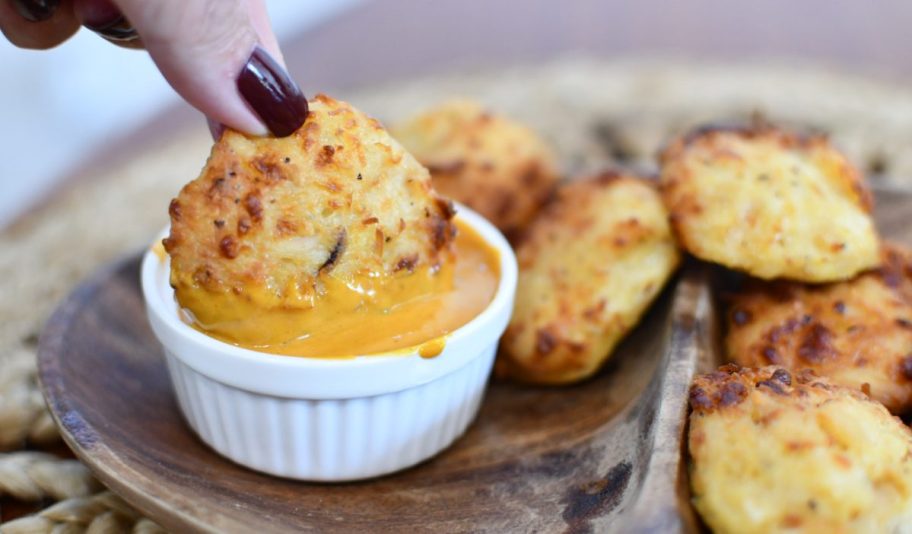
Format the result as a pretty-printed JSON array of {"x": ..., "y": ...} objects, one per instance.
[
  {"x": 783, "y": 376},
  {"x": 774, "y": 385},
  {"x": 254, "y": 206},
  {"x": 904, "y": 323},
  {"x": 585, "y": 502},
  {"x": 817, "y": 344},
  {"x": 237, "y": 200},
  {"x": 427, "y": 212},
  {"x": 741, "y": 317},
  {"x": 407, "y": 263},
  {"x": 287, "y": 160},
  {"x": 732, "y": 393},
  {"x": 232, "y": 174},
  {"x": 839, "y": 306},
  {"x": 387, "y": 239},
  {"x": 219, "y": 223},
  {"x": 771, "y": 354},
  {"x": 228, "y": 247},
  {"x": 336, "y": 251},
  {"x": 699, "y": 399},
  {"x": 906, "y": 365},
  {"x": 360, "y": 177},
  {"x": 812, "y": 504},
  {"x": 545, "y": 342}
]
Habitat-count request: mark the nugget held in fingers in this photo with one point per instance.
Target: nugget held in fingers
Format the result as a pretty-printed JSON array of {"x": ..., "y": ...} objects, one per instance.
[
  {"x": 492, "y": 164},
  {"x": 589, "y": 267},
  {"x": 857, "y": 333},
  {"x": 774, "y": 451},
  {"x": 771, "y": 203},
  {"x": 268, "y": 216}
]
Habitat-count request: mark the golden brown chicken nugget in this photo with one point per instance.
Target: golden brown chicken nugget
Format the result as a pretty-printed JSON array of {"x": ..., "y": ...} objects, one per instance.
[
  {"x": 857, "y": 333},
  {"x": 267, "y": 216},
  {"x": 773, "y": 451},
  {"x": 490, "y": 163},
  {"x": 772, "y": 203},
  {"x": 591, "y": 264}
]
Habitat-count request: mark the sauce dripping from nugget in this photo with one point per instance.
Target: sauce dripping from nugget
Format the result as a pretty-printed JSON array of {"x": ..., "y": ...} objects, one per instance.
[{"x": 350, "y": 319}]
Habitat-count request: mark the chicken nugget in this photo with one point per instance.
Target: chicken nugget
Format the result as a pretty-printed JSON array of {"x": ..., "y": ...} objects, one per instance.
[
  {"x": 492, "y": 164},
  {"x": 857, "y": 333},
  {"x": 268, "y": 217},
  {"x": 591, "y": 264},
  {"x": 773, "y": 451},
  {"x": 771, "y": 203}
]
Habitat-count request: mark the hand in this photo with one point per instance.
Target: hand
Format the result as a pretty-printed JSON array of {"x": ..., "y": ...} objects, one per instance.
[{"x": 219, "y": 55}]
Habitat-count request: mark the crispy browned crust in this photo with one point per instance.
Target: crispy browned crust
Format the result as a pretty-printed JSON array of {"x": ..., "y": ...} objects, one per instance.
[
  {"x": 590, "y": 265},
  {"x": 732, "y": 384},
  {"x": 769, "y": 202},
  {"x": 774, "y": 451},
  {"x": 338, "y": 195},
  {"x": 858, "y": 333},
  {"x": 495, "y": 166},
  {"x": 787, "y": 140}
]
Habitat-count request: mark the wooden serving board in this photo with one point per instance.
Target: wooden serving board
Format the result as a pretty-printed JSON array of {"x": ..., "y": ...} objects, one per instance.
[{"x": 600, "y": 456}]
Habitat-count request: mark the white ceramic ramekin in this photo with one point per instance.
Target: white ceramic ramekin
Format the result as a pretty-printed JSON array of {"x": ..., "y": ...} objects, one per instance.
[{"x": 330, "y": 419}]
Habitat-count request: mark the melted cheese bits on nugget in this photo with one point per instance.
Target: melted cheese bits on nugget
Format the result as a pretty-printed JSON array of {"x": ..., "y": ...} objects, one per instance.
[
  {"x": 773, "y": 451},
  {"x": 589, "y": 267},
  {"x": 771, "y": 203},
  {"x": 268, "y": 216},
  {"x": 495, "y": 166},
  {"x": 857, "y": 333}
]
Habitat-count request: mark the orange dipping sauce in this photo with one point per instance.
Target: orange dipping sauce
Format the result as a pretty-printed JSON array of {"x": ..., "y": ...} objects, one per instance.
[{"x": 417, "y": 310}]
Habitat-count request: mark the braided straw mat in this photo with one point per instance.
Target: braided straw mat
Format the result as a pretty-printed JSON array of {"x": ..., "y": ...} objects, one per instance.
[{"x": 596, "y": 113}]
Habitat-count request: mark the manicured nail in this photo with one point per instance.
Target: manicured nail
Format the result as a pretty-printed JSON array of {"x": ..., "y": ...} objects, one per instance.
[
  {"x": 215, "y": 128},
  {"x": 105, "y": 19},
  {"x": 36, "y": 10},
  {"x": 272, "y": 94}
]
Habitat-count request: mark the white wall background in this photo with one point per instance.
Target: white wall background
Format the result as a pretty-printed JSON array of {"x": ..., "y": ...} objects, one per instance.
[{"x": 58, "y": 106}]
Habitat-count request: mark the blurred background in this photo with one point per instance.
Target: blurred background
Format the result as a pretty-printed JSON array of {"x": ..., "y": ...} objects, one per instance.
[
  {"x": 59, "y": 106},
  {"x": 63, "y": 109}
]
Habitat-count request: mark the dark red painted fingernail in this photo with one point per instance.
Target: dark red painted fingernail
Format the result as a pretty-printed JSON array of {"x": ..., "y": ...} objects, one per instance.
[
  {"x": 105, "y": 19},
  {"x": 215, "y": 128},
  {"x": 272, "y": 94},
  {"x": 36, "y": 10}
]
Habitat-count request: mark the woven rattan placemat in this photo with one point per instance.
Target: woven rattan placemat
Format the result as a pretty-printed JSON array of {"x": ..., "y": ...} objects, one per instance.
[{"x": 596, "y": 113}]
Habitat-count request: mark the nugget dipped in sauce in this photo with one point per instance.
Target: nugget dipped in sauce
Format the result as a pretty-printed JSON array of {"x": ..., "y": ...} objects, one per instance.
[
  {"x": 775, "y": 451},
  {"x": 856, "y": 333},
  {"x": 589, "y": 267},
  {"x": 331, "y": 216},
  {"x": 769, "y": 202},
  {"x": 489, "y": 162}
]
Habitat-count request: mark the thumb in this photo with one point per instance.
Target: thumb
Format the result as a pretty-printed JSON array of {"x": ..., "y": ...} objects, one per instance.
[{"x": 221, "y": 56}]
